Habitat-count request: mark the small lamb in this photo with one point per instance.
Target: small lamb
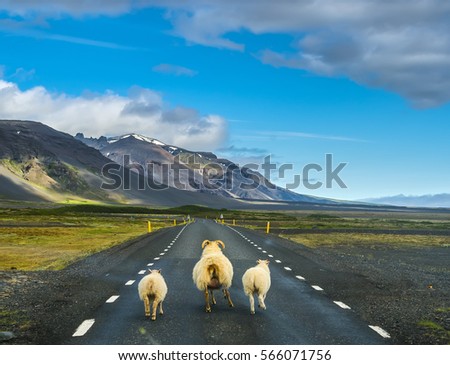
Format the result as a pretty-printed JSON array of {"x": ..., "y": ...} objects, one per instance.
[
  {"x": 152, "y": 287},
  {"x": 257, "y": 280}
]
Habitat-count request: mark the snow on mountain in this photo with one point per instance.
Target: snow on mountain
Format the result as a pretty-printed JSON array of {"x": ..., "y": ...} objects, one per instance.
[{"x": 138, "y": 137}]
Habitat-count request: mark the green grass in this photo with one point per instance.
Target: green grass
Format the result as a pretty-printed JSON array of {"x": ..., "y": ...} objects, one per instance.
[
  {"x": 50, "y": 239},
  {"x": 435, "y": 331},
  {"x": 368, "y": 239}
]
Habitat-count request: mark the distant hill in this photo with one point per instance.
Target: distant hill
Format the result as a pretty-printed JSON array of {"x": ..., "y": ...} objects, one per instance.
[
  {"x": 39, "y": 163},
  {"x": 191, "y": 170},
  {"x": 429, "y": 201}
]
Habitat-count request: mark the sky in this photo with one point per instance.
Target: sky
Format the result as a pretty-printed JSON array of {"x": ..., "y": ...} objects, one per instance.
[{"x": 365, "y": 82}]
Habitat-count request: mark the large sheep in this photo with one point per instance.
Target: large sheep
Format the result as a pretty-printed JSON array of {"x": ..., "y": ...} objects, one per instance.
[
  {"x": 152, "y": 287},
  {"x": 257, "y": 280},
  {"x": 213, "y": 271}
]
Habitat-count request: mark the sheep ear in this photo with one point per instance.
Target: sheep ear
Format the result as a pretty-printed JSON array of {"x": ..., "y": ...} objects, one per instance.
[
  {"x": 258, "y": 261},
  {"x": 205, "y": 243},
  {"x": 221, "y": 243},
  {"x": 267, "y": 262},
  {"x": 159, "y": 271}
]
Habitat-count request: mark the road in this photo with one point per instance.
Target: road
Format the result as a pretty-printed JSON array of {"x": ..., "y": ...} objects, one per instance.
[{"x": 298, "y": 312}]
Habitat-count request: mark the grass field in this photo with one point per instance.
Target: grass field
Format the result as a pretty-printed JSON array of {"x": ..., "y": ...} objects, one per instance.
[{"x": 50, "y": 239}]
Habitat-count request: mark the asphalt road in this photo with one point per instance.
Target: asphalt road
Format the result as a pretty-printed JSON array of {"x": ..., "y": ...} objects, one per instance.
[{"x": 296, "y": 312}]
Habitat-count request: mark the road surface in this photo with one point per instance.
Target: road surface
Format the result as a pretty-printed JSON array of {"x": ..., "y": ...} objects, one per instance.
[{"x": 298, "y": 311}]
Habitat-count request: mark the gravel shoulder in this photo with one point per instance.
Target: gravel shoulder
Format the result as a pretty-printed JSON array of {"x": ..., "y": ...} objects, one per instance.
[{"x": 406, "y": 291}]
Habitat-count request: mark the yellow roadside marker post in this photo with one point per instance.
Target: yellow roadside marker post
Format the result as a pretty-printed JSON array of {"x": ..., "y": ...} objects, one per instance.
[
  {"x": 268, "y": 228},
  {"x": 149, "y": 226},
  {"x": 174, "y": 222}
]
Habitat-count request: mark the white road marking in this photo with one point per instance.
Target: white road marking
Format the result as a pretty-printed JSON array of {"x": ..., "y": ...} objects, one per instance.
[
  {"x": 342, "y": 305},
  {"x": 300, "y": 277},
  {"x": 278, "y": 261},
  {"x": 259, "y": 248},
  {"x": 380, "y": 331},
  {"x": 156, "y": 258},
  {"x": 316, "y": 287},
  {"x": 142, "y": 272},
  {"x": 270, "y": 255},
  {"x": 287, "y": 268},
  {"x": 130, "y": 282},
  {"x": 83, "y": 327},
  {"x": 150, "y": 264},
  {"x": 167, "y": 249},
  {"x": 112, "y": 299},
  {"x": 264, "y": 251},
  {"x": 162, "y": 254}
]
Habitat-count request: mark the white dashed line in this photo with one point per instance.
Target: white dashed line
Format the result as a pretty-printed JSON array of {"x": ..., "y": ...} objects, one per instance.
[
  {"x": 112, "y": 299},
  {"x": 166, "y": 249},
  {"x": 316, "y": 287},
  {"x": 156, "y": 258},
  {"x": 83, "y": 327},
  {"x": 278, "y": 261},
  {"x": 142, "y": 272},
  {"x": 287, "y": 268},
  {"x": 380, "y": 331},
  {"x": 150, "y": 264},
  {"x": 162, "y": 254},
  {"x": 270, "y": 255},
  {"x": 259, "y": 248},
  {"x": 300, "y": 277},
  {"x": 264, "y": 251},
  {"x": 342, "y": 305},
  {"x": 130, "y": 282}
]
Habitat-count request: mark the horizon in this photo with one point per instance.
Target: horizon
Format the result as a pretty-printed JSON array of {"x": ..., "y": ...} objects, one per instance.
[{"x": 366, "y": 84}]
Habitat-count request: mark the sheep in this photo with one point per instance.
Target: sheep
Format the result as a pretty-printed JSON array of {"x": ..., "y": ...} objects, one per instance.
[
  {"x": 257, "y": 280},
  {"x": 152, "y": 287},
  {"x": 213, "y": 271}
]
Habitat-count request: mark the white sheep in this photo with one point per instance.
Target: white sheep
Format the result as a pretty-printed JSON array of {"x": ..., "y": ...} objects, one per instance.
[
  {"x": 152, "y": 287},
  {"x": 257, "y": 280},
  {"x": 213, "y": 271}
]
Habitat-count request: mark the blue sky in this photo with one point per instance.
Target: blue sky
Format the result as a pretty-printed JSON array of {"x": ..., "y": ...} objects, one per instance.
[{"x": 366, "y": 81}]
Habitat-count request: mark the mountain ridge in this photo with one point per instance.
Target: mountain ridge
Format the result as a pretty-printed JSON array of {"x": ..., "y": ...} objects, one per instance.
[
  {"x": 192, "y": 170},
  {"x": 441, "y": 200}
]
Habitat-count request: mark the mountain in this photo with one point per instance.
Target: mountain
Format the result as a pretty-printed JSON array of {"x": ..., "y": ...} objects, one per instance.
[
  {"x": 38, "y": 163},
  {"x": 190, "y": 170},
  {"x": 429, "y": 201}
]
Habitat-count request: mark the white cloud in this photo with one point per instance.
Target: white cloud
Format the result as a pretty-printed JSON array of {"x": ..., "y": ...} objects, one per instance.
[
  {"x": 142, "y": 111},
  {"x": 176, "y": 70},
  {"x": 397, "y": 45},
  {"x": 56, "y": 8}
]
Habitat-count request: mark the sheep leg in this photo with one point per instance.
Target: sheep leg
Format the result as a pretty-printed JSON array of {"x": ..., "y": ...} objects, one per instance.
[
  {"x": 208, "y": 307},
  {"x": 227, "y": 295},
  {"x": 155, "y": 305},
  {"x": 261, "y": 301},
  {"x": 213, "y": 300},
  {"x": 252, "y": 304},
  {"x": 147, "y": 306},
  {"x": 161, "y": 308}
]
